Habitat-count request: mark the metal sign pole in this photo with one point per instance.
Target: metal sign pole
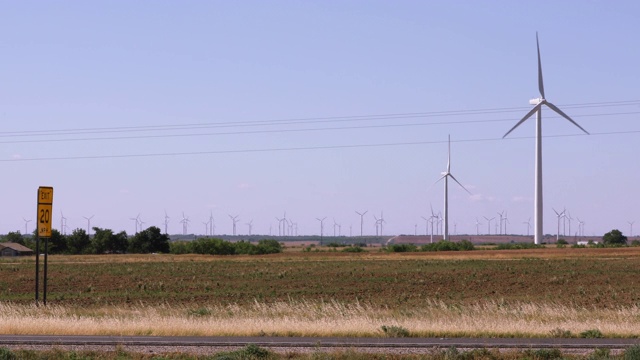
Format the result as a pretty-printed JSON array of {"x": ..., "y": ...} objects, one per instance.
[
  {"x": 37, "y": 257},
  {"x": 44, "y": 282}
]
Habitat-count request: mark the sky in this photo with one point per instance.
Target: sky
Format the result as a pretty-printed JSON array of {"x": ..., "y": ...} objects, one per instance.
[{"x": 317, "y": 109}]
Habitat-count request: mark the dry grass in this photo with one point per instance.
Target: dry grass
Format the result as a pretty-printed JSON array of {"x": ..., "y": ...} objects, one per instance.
[{"x": 487, "y": 319}]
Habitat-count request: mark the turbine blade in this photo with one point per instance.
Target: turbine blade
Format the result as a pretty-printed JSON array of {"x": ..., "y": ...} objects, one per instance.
[
  {"x": 555, "y": 108},
  {"x": 540, "y": 82},
  {"x": 462, "y": 186},
  {"x": 437, "y": 181},
  {"x": 533, "y": 111},
  {"x": 449, "y": 156}
]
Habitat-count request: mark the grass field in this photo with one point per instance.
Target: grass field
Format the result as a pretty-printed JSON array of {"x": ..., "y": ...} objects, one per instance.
[{"x": 486, "y": 293}]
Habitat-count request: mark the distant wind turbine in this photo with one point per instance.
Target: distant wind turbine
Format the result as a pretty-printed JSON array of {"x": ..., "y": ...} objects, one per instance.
[
  {"x": 528, "y": 222},
  {"x": 26, "y": 229},
  {"x": 362, "y": 220},
  {"x": 630, "y": 228},
  {"x": 446, "y": 175},
  {"x": 234, "y": 219},
  {"x": 489, "y": 224},
  {"x": 321, "y": 228},
  {"x": 559, "y": 215},
  {"x": 89, "y": 223},
  {"x": 537, "y": 208}
]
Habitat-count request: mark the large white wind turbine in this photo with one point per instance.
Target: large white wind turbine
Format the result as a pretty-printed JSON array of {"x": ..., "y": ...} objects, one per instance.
[
  {"x": 446, "y": 175},
  {"x": 537, "y": 206}
]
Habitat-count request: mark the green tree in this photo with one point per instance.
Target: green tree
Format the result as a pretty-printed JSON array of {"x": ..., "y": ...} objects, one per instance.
[
  {"x": 614, "y": 237},
  {"x": 57, "y": 242},
  {"x": 13, "y": 237},
  {"x": 150, "y": 240},
  {"x": 78, "y": 242}
]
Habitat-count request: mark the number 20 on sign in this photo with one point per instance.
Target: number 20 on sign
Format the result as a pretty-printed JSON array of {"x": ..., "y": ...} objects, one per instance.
[{"x": 45, "y": 205}]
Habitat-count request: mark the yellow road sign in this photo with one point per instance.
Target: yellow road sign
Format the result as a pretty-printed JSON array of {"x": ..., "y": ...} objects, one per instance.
[{"x": 45, "y": 207}]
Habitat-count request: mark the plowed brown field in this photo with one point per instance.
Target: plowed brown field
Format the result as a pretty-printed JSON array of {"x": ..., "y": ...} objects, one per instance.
[{"x": 577, "y": 277}]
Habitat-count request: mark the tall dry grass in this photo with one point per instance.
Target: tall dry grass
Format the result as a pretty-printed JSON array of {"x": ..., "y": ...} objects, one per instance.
[{"x": 435, "y": 318}]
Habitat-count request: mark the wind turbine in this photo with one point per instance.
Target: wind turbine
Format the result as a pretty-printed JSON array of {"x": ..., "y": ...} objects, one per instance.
[
  {"x": 136, "y": 219},
  {"x": 25, "y": 226},
  {"x": 321, "y": 228},
  {"x": 376, "y": 223},
  {"x": 166, "y": 222},
  {"x": 489, "y": 224},
  {"x": 537, "y": 207},
  {"x": 478, "y": 223},
  {"x": 559, "y": 215},
  {"x": 206, "y": 227},
  {"x": 88, "y": 223},
  {"x": 506, "y": 221},
  {"x": 185, "y": 224},
  {"x": 528, "y": 222},
  {"x": 630, "y": 228},
  {"x": 63, "y": 223},
  {"x": 426, "y": 223},
  {"x": 361, "y": 220},
  {"x": 250, "y": 225},
  {"x": 234, "y": 219},
  {"x": 212, "y": 225},
  {"x": 501, "y": 219},
  {"x": 446, "y": 175}
]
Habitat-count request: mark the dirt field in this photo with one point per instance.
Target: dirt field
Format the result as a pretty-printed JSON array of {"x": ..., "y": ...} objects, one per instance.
[{"x": 580, "y": 277}]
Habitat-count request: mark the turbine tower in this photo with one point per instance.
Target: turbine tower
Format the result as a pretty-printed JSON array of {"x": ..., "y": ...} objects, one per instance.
[
  {"x": 489, "y": 224},
  {"x": 537, "y": 206},
  {"x": 446, "y": 175},
  {"x": 26, "y": 230},
  {"x": 166, "y": 222},
  {"x": 559, "y": 215},
  {"x": 528, "y": 222},
  {"x": 136, "y": 220},
  {"x": 630, "y": 227},
  {"x": 89, "y": 223},
  {"x": 361, "y": 220},
  {"x": 321, "y": 228},
  {"x": 63, "y": 223},
  {"x": 235, "y": 220}
]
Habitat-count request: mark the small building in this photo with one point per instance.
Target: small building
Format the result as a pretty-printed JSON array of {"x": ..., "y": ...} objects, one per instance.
[{"x": 14, "y": 249}]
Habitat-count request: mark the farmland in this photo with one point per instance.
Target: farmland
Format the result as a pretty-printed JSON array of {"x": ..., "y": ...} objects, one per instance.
[{"x": 329, "y": 293}]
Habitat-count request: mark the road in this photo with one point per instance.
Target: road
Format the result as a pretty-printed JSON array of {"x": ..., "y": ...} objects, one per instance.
[{"x": 312, "y": 342}]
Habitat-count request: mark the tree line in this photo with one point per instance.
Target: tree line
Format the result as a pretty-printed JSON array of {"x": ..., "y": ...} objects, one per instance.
[{"x": 151, "y": 240}]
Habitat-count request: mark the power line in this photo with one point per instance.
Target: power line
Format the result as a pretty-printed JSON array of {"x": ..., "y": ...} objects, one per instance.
[
  {"x": 296, "y": 121},
  {"x": 278, "y": 131},
  {"x": 328, "y": 147}
]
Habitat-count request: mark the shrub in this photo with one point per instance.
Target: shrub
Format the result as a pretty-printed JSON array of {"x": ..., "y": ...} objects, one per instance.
[
  {"x": 562, "y": 242},
  {"x": 394, "y": 331},
  {"x": 269, "y": 247},
  {"x": 442, "y": 245},
  {"x": 544, "y": 354},
  {"x": 352, "y": 249},
  {"x": 591, "y": 334},
  {"x": 560, "y": 333},
  {"x": 635, "y": 243},
  {"x": 7, "y": 354},
  {"x": 519, "y": 246},
  {"x": 401, "y": 248},
  {"x": 632, "y": 353}
]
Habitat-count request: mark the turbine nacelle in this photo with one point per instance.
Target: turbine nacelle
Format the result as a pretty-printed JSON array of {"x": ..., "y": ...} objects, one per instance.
[{"x": 536, "y": 101}]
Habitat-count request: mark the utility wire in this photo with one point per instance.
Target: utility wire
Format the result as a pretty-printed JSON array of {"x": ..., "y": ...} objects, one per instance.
[
  {"x": 328, "y": 147},
  {"x": 277, "y": 131},
  {"x": 295, "y": 121}
]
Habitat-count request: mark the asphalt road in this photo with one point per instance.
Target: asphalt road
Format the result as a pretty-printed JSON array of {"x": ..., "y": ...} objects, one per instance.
[{"x": 302, "y": 342}]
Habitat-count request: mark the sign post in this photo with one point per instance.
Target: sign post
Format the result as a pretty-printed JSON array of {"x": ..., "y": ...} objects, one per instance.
[{"x": 45, "y": 207}]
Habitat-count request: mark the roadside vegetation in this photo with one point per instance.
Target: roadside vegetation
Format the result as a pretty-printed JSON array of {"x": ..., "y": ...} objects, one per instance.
[
  {"x": 252, "y": 352},
  {"x": 151, "y": 240}
]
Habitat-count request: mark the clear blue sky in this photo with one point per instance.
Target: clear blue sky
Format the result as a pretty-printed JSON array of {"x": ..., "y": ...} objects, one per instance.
[{"x": 71, "y": 70}]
